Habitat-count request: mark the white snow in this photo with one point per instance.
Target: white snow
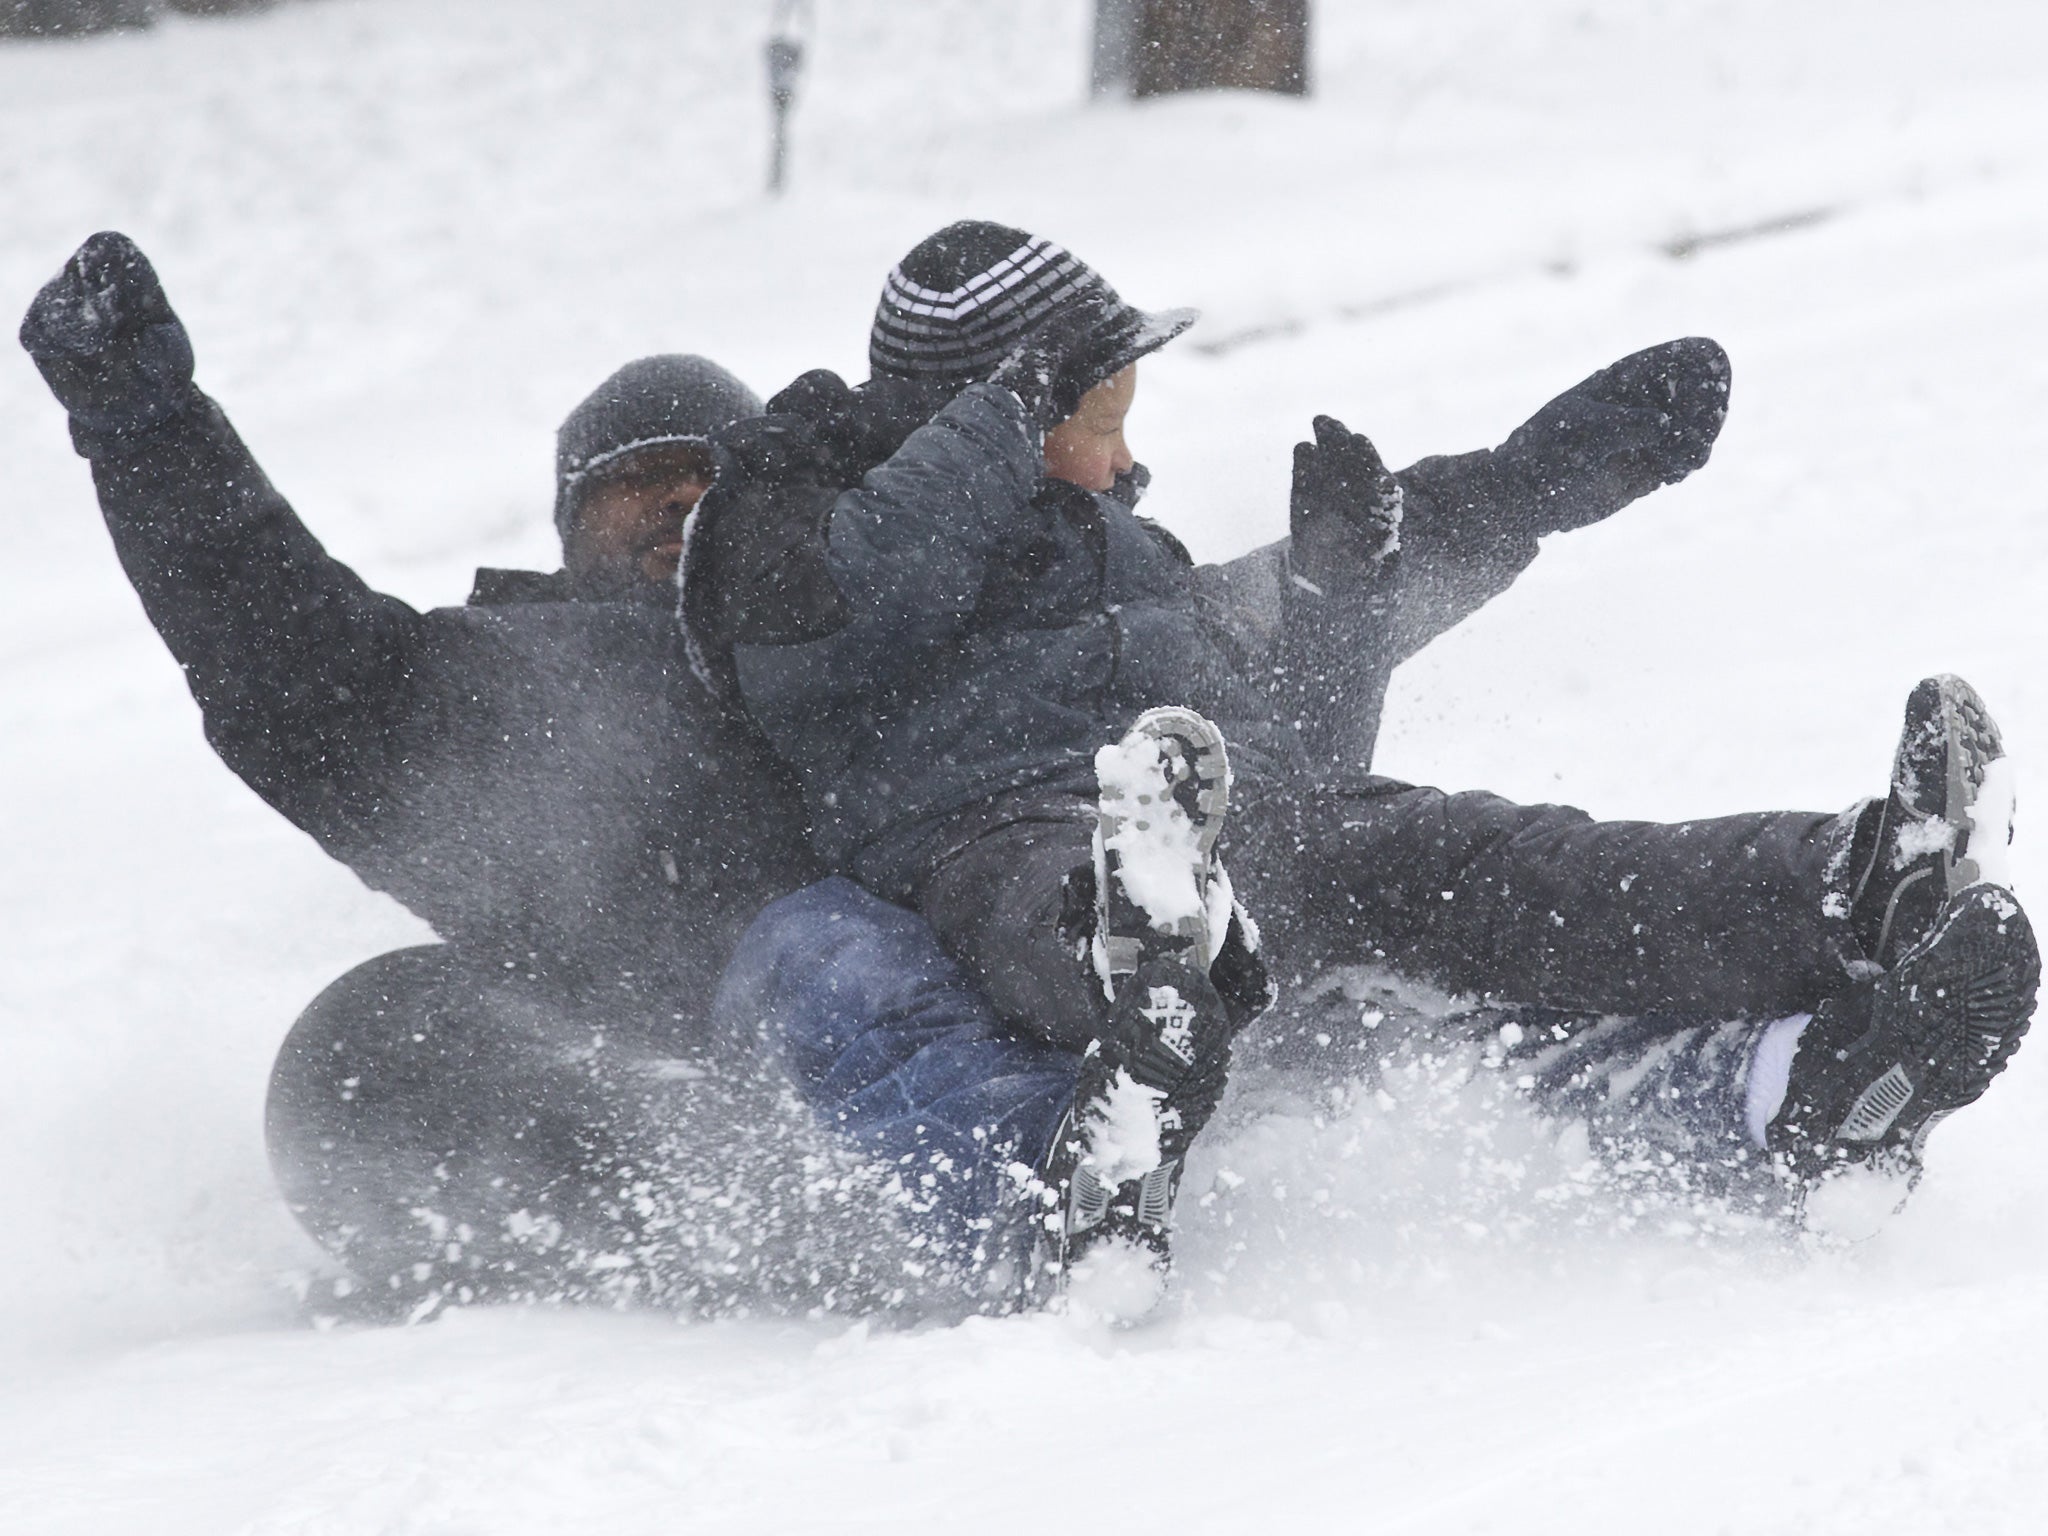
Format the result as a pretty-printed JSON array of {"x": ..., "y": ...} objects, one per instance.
[
  {"x": 1916, "y": 842},
  {"x": 1854, "y": 1204},
  {"x": 1219, "y": 906},
  {"x": 410, "y": 234},
  {"x": 1160, "y": 860},
  {"x": 1116, "y": 1283},
  {"x": 1992, "y": 823},
  {"x": 1123, "y": 1131}
]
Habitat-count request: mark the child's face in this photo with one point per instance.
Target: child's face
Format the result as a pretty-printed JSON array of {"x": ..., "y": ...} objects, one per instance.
[{"x": 1088, "y": 448}]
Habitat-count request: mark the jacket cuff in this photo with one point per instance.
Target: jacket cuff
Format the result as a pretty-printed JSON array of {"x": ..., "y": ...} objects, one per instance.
[{"x": 103, "y": 443}]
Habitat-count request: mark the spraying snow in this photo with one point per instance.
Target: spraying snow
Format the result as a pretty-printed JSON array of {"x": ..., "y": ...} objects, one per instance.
[{"x": 409, "y": 236}]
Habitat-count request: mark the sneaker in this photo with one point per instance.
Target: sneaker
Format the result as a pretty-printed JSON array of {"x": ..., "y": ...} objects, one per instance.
[
  {"x": 1883, "y": 1063},
  {"x": 1943, "y": 827}
]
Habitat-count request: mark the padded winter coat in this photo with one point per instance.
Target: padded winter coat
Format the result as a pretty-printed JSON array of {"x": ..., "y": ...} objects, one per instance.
[
  {"x": 993, "y": 629},
  {"x": 536, "y": 777}
]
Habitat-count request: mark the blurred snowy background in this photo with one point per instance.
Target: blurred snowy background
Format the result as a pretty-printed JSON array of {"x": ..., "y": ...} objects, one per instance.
[{"x": 408, "y": 235}]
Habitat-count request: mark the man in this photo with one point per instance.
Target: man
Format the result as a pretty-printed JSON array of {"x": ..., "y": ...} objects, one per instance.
[
  {"x": 537, "y": 774},
  {"x": 982, "y": 618}
]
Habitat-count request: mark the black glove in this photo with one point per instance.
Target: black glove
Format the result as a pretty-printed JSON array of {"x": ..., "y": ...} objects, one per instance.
[
  {"x": 860, "y": 428},
  {"x": 1050, "y": 369},
  {"x": 816, "y": 396},
  {"x": 1345, "y": 513},
  {"x": 754, "y": 569},
  {"x": 1648, "y": 420},
  {"x": 104, "y": 338},
  {"x": 883, "y": 412},
  {"x": 771, "y": 450}
]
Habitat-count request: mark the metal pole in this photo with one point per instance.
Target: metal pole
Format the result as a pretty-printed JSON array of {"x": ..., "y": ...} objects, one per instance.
[{"x": 785, "y": 64}]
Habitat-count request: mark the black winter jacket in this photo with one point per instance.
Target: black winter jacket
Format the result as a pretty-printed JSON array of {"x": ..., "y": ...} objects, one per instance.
[{"x": 540, "y": 778}]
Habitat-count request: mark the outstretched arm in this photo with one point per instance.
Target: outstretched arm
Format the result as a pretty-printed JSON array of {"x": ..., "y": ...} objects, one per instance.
[
  {"x": 1379, "y": 565},
  {"x": 295, "y": 662},
  {"x": 1473, "y": 519}
]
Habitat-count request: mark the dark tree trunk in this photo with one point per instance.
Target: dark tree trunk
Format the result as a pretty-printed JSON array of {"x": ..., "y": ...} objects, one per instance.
[
  {"x": 68, "y": 18},
  {"x": 1153, "y": 47},
  {"x": 73, "y": 18}
]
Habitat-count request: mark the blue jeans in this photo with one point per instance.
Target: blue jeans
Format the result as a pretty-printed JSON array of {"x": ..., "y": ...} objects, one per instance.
[
  {"x": 888, "y": 1041},
  {"x": 891, "y": 1044}
]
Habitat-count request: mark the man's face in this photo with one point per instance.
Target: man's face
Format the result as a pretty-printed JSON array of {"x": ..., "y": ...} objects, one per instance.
[
  {"x": 628, "y": 531},
  {"x": 1088, "y": 448}
]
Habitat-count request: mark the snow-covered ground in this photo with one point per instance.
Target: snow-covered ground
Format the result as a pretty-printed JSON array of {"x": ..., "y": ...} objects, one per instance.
[{"x": 409, "y": 234}]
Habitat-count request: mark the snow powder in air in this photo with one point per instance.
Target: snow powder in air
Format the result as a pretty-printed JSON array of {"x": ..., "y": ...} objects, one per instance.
[
  {"x": 1852, "y": 1206},
  {"x": 1116, "y": 1281}
]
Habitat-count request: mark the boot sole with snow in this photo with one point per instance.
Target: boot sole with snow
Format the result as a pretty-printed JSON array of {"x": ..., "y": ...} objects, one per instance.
[
  {"x": 1090, "y": 1210},
  {"x": 1181, "y": 818},
  {"x": 1931, "y": 830}
]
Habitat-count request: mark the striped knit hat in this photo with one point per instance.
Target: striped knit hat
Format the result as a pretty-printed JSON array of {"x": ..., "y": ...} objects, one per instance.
[{"x": 958, "y": 304}]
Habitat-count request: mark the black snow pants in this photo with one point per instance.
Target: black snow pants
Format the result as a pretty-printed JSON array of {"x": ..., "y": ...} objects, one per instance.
[{"x": 1731, "y": 917}]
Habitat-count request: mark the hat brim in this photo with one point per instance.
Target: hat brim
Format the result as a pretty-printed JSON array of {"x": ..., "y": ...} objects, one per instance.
[
  {"x": 572, "y": 487},
  {"x": 1136, "y": 333}
]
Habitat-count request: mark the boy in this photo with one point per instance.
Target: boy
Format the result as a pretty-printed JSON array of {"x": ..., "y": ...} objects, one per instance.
[{"x": 991, "y": 615}]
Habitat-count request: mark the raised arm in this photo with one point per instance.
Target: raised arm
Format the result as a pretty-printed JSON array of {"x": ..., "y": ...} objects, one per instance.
[
  {"x": 296, "y": 664},
  {"x": 910, "y": 546}
]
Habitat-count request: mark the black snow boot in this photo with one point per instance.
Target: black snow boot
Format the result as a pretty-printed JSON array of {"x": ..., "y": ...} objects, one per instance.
[
  {"x": 1887, "y": 1060},
  {"x": 1179, "y": 993},
  {"x": 1147, "y": 1088},
  {"x": 1944, "y": 825}
]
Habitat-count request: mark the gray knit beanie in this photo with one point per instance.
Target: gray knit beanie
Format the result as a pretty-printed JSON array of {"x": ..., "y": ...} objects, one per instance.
[{"x": 670, "y": 398}]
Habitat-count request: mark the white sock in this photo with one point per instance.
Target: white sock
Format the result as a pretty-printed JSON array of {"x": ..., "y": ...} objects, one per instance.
[{"x": 1770, "y": 1073}]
